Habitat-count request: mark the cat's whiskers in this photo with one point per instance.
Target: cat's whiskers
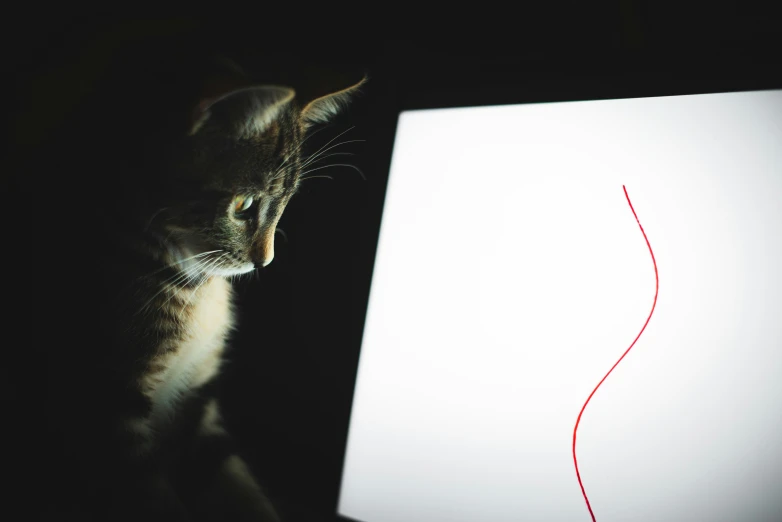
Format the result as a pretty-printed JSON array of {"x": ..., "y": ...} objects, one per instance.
[
  {"x": 303, "y": 174},
  {"x": 180, "y": 262},
  {"x": 331, "y": 141},
  {"x": 185, "y": 278},
  {"x": 166, "y": 267},
  {"x": 318, "y": 154},
  {"x": 315, "y": 160},
  {"x": 318, "y": 176},
  {"x": 201, "y": 283},
  {"x": 295, "y": 151},
  {"x": 176, "y": 279},
  {"x": 190, "y": 275}
]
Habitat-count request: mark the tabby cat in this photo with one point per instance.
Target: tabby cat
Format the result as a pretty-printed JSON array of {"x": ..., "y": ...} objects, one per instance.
[{"x": 139, "y": 429}]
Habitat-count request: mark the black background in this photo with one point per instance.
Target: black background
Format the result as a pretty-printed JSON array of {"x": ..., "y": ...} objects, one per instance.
[{"x": 288, "y": 387}]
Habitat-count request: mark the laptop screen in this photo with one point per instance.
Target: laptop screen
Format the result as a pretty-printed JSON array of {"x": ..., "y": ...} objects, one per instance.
[{"x": 575, "y": 313}]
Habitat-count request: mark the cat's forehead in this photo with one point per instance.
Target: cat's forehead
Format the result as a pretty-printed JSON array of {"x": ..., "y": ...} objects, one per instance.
[
  {"x": 266, "y": 164},
  {"x": 264, "y": 180},
  {"x": 282, "y": 153}
]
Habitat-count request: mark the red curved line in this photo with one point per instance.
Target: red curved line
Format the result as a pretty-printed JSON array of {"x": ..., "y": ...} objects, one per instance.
[{"x": 654, "y": 304}]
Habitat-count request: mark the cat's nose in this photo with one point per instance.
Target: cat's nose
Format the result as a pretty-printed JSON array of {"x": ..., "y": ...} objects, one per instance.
[
  {"x": 265, "y": 251},
  {"x": 265, "y": 258},
  {"x": 264, "y": 262}
]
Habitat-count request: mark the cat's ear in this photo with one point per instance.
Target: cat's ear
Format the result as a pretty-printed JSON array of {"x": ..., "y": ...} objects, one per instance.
[
  {"x": 324, "y": 108},
  {"x": 243, "y": 112},
  {"x": 219, "y": 77},
  {"x": 228, "y": 97}
]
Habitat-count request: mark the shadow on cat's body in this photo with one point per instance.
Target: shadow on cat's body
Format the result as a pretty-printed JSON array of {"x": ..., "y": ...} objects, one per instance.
[{"x": 147, "y": 207}]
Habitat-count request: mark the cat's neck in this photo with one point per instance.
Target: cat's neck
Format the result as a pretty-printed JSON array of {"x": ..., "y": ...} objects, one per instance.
[{"x": 187, "y": 301}]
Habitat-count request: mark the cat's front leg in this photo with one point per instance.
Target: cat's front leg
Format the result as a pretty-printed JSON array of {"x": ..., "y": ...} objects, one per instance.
[
  {"x": 221, "y": 484},
  {"x": 150, "y": 498},
  {"x": 235, "y": 495},
  {"x": 141, "y": 489}
]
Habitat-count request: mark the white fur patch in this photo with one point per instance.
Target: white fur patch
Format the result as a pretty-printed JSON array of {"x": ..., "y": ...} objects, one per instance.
[
  {"x": 228, "y": 271},
  {"x": 196, "y": 359}
]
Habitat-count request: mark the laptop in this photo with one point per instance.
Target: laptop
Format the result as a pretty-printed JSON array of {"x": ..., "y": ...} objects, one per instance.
[{"x": 575, "y": 314}]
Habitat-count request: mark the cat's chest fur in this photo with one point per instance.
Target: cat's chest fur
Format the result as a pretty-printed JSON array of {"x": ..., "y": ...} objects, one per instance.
[{"x": 192, "y": 357}]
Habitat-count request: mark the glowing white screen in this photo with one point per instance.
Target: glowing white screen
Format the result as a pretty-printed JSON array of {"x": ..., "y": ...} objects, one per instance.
[{"x": 511, "y": 275}]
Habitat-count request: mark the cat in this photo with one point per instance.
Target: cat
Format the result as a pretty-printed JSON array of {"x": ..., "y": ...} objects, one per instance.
[{"x": 188, "y": 206}]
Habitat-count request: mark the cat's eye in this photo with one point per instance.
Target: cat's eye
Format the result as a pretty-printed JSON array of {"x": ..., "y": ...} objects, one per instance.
[{"x": 241, "y": 204}]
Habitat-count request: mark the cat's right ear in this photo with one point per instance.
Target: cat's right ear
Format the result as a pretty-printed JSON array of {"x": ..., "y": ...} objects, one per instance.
[{"x": 324, "y": 108}]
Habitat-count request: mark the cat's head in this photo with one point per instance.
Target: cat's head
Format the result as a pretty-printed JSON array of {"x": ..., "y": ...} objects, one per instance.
[{"x": 231, "y": 177}]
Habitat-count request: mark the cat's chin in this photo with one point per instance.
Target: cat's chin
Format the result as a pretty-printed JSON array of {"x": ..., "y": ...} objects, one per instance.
[{"x": 231, "y": 271}]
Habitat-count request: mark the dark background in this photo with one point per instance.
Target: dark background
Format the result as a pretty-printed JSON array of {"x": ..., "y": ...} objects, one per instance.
[{"x": 288, "y": 388}]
